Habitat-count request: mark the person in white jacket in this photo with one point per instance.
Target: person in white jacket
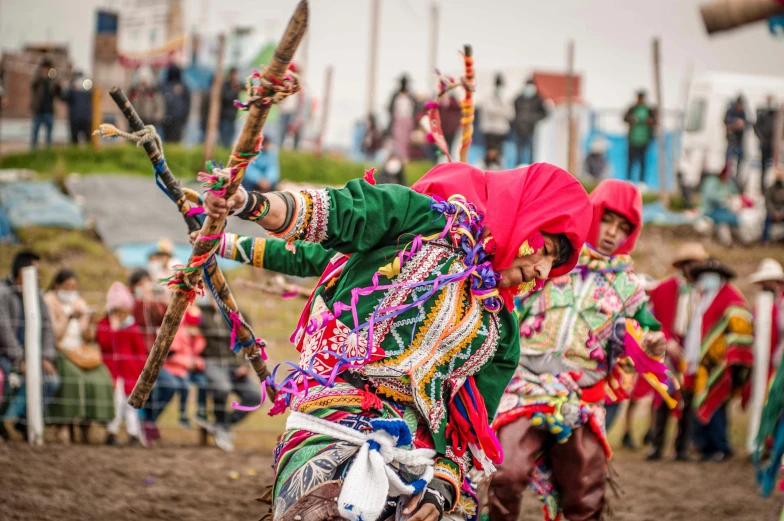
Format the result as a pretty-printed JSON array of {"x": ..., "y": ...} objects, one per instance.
[{"x": 496, "y": 114}]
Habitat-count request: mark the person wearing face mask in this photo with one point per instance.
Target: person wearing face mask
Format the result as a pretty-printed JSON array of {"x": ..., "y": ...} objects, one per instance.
[
  {"x": 529, "y": 111},
  {"x": 440, "y": 356},
  {"x": 124, "y": 353},
  {"x": 392, "y": 172},
  {"x": 717, "y": 361},
  {"x": 573, "y": 337},
  {"x": 12, "y": 352},
  {"x": 86, "y": 394},
  {"x": 672, "y": 302}
]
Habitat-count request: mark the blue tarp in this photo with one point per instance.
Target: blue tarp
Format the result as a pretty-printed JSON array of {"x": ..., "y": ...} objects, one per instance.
[
  {"x": 39, "y": 203},
  {"x": 6, "y": 232}
]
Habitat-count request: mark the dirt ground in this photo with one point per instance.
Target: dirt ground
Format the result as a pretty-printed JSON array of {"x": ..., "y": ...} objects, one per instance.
[{"x": 192, "y": 484}]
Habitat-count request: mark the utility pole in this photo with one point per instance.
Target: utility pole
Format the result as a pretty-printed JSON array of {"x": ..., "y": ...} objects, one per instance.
[
  {"x": 432, "y": 62},
  {"x": 375, "y": 11},
  {"x": 571, "y": 128},
  {"x": 662, "y": 152},
  {"x": 214, "y": 111}
]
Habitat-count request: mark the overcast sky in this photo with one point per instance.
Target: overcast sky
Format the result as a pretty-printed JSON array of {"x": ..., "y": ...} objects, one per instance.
[{"x": 612, "y": 37}]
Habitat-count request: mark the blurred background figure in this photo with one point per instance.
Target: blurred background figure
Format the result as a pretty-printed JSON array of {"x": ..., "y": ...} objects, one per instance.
[
  {"x": 124, "y": 353},
  {"x": 292, "y": 115},
  {"x": 529, "y": 110},
  {"x": 12, "y": 352},
  {"x": 402, "y": 108},
  {"x": 177, "y": 105},
  {"x": 764, "y": 128},
  {"x": 496, "y": 115},
  {"x": 721, "y": 203},
  {"x": 595, "y": 165},
  {"x": 392, "y": 172},
  {"x": 86, "y": 393},
  {"x": 735, "y": 123},
  {"x": 641, "y": 119},
  {"x": 79, "y": 98},
  {"x": 228, "y": 112},
  {"x": 450, "y": 112},
  {"x": 371, "y": 139},
  {"x": 147, "y": 99},
  {"x": 43, "y": 91},
  {"x": 774, "y": 206},
  {"x": 263, "y": 173}
]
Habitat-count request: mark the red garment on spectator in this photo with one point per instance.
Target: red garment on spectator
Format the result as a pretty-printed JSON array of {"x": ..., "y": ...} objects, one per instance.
[
  {"x": 185, "y": 353},
  {"x": 148, "y": 315},
  {"x": 123, "y": 352}
]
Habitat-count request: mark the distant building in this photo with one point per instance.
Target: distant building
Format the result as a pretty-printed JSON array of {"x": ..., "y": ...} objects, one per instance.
[{"x": 18, "y": 68}]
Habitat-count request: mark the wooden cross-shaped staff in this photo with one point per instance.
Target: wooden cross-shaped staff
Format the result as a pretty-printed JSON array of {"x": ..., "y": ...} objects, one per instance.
[{"x": 190, "y": 279}]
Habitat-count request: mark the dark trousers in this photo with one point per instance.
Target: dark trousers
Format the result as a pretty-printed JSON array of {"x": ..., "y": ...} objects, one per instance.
[
  {"x": 636, "y": 155},
  {"x": 222, "y": 383},
  {"x": 525, "y": 149},
  {"x": 81, "y": 129},
  {"x": 712, "y": 438},
  {"x": 226, "y": 132},
  {"x": 42, "y": 120},
  {"x": 172, "y": 131},
  {"x": 578, "y": 469},
  {"x": 767, "y": 159},
  {"x": 495, "y": 141}
]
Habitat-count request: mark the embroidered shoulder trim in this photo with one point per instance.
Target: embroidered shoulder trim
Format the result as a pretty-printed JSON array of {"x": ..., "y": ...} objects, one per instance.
[{"x": 316, "y": 226}]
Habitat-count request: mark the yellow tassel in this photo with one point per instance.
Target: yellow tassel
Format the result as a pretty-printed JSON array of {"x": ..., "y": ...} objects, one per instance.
[
  {"x": 525, "y": 287},
  {"x": 392, "y": 269},
  {"x": 525, "y": 249}
]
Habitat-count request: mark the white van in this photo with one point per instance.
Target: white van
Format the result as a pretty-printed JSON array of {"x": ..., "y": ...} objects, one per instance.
[{"x": 704, "y": 144}]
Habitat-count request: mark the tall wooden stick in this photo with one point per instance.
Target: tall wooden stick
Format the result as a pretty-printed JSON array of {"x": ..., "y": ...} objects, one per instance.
[
  {"x": 215, "y": 104},
  {"x": 325, "y": 110},
  {"x": 246, "y": 144},
  {"x": 664, "y": 193},
  {"x": 467, "y": 120},
  {"x": 778, "y": 137},
  {"x": 375, "y": 12},
  {"x": 571, "y": 130}
]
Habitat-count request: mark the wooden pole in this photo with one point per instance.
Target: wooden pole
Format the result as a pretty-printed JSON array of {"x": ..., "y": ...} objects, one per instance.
[
  {"x": 664, "y": 194},
  {"x": 722, "y": 15},
  {"x": 432, "y": 61},
  {"x": 325, "y": 109},
  {"x": 571, "y": 128},
  {"x": 215, "y": 103},
  {"x": 375, "y": 12},
  {"x": 778, "y": 137},
  {"x": 246, "y": 144}
]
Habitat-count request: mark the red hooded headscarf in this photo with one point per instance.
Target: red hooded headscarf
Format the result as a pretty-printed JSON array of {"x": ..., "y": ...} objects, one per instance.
[
  {"x": 516, "y": 204},
  {"x": 622, "y": 198}
]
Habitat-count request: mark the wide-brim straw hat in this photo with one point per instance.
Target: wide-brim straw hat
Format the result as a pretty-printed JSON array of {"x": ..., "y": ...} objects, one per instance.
[
  {"x": 769, "y": 269},
  {"x": 712, "y": 266},
  {"x": 691, "y": 251}
]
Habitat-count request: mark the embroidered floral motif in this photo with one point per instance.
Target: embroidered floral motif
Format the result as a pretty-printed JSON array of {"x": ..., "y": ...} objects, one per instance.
[{"x": 316, "y": 226}]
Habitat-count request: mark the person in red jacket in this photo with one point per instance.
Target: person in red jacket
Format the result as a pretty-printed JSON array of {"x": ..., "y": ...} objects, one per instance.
[{"x": 123, "y": 353}]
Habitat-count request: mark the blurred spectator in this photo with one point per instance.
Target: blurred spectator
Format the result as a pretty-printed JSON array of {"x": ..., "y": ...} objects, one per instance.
[
  {"x": 86, "y": 393},
  {"x": 450, "y": 112},
  {"x": 226, "y": 373},
  {"x": 718, "y": 354},
  {"x": 187, "y": 364},
  {"x": 263, "y": 173},
  {"x": 12, "y": 353},
  {"x": 392, "y": 172},
  {"x": 596, "y": 160},
  {"x": 491, "y": 161},
  {"x": 228, "y": 112},
  {"x": 769, "y": 277},
  {"x": 292, "y": 114},
  {"x": 161, "y": 262},
  {"x": 43, "y": 91},
  {"x": 148, "y": 308},
  {"x": 641, "y": 120},
  {"x": 371, "y": 139},
  {"x": 720, "y": 201},
  {"x": 402, "y": 108},
  {"x": 124, "y": 353},
  {"x": 177, "y": 105},
  {"x": 764, "y": 128},
  {"x": 496, "y": 115},
  {"x": 774, "y": 204},
  {"x": 79, "y": 98},
  {"x": 529, "y": 110},
  {"x": 146, "y": 99},
  {"x": 735, "y": 122}
]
